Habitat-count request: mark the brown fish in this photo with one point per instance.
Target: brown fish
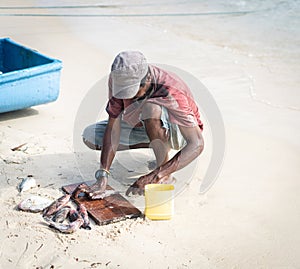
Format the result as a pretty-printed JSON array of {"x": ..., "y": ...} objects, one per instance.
[
  {"x": 82, "y": 190},
  {"x": 67, "y": 228},
  {"x": 84, "y": 214},
  {"x": 56, "y": 205},
  {"x": 61, "y": 214},
  {"x": 73, "y": 215}
]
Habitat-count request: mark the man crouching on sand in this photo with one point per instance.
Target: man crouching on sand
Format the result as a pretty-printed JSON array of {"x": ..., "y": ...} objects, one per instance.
[{"x": 147, "y": 107}]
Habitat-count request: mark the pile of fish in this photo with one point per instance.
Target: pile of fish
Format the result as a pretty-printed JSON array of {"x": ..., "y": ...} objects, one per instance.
[{"x": 62, "y": 216}]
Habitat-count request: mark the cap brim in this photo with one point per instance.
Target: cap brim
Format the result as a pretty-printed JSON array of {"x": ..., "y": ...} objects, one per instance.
[{"x": 125, "y": 92}]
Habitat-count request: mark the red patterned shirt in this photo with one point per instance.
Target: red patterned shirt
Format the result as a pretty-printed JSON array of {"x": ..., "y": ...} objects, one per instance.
[{"x": 167, "y": 90}]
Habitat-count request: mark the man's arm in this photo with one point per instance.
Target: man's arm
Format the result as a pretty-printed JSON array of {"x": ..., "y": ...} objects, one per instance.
[
  {"x": 111, "y": 141},
  {"x": 110, "y": 145},
  {"x": 193, "y": 149}
]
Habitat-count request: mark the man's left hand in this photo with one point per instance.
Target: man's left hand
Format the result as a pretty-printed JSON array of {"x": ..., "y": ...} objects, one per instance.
[{"x": 138, "y": 187}]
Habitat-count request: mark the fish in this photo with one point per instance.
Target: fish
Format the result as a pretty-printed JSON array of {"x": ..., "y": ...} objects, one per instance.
[
  {"x": 67, "y": 228},
  {"x": 56, "y": 205},
  {"x": 34, "y": 204},
  {"x": 62, "y": 214},
  {"x": 73, "y": 215},
  {"x": 84, "y": 214},
  {"x": 82, "y": 190},
  {"x": 27, "y": 183}
]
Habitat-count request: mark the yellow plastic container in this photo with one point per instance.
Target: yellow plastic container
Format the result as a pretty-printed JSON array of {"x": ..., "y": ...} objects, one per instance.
[{"x": 159, "y": 201}]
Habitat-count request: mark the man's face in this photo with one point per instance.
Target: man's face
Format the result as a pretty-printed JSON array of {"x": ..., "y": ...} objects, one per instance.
[{"x": 144, "y": 87}]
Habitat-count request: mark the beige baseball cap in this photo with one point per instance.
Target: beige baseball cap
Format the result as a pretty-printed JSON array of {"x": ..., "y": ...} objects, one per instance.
[{"x": 127, "y": 71}]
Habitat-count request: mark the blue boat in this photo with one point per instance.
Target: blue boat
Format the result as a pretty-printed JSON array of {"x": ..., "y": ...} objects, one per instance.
[{"x": 27, "y": 78}]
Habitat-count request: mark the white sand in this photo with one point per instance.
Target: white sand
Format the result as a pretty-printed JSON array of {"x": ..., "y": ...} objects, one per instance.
[{"x": 251, "y": 216}]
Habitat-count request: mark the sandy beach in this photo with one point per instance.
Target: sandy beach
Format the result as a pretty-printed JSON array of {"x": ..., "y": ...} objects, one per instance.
[{"x": 249, "y": 61}]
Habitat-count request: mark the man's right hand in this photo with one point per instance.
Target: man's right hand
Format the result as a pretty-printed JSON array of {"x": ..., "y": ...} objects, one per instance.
[
  {"x": 95, "y": 191},
  {"x": 97, "y": 188}
]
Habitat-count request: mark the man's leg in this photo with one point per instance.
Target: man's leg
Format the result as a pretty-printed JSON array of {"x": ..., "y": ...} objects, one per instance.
[
  {"x": 159, "y": 136},
  {"x": 120, "y": 147},
  {"x": 131, "y": 138}
]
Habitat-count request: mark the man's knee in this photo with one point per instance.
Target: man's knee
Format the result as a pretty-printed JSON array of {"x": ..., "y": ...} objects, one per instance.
[
  {"x": 151, "y": 116},
  {"x": 151, "y": 111},
  {"x": 90, "y": 144},
  {"x": 92, "y": 136}
]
